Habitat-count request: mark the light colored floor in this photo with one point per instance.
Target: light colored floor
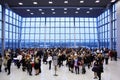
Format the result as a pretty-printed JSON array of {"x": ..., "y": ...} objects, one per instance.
[{"x": 111, "y": 72}]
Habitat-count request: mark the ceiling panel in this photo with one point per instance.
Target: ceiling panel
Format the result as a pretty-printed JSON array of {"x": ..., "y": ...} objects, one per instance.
[{"x": 58, "y": 6}]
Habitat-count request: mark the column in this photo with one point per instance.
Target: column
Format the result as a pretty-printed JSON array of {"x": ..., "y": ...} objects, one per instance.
[
  {"x": 118, "y": 27},
  {"x": 3, "y": 29},
  {"x": 111, "y": 28}
]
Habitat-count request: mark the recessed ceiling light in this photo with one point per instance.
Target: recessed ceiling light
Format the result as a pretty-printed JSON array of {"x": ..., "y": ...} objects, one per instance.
[
  {"x": 113, "y": 1},
  {"x": 35, "y": 3},
  {"x": 76, "y": 12},
  {"x": 65, "y": 12},
  {"x": 65, "y": 2},
  {"x": 78, "y": 8},
  {"x": 53, "y": 12},
  {"x": 65, "y": 8},
  {"x": 50, "y": 2},
  {"x": 40, "y": 9},
  {"x": 28, "y": 9},
  {"x": 88, "y": 12},
  {"x": 97, "y": 1},
  {"x": 31, "y": 13},
  {"x": 90, "y": 8},
  {"x": 52, "y": 9},
  {"x": 42, "y": 13},
  {"x": 20, "y": 3},
  {"x": 81, "y": 1}
]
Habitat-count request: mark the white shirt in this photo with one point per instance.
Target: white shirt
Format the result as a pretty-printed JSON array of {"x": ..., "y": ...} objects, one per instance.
[{"x": 49, "y": 58}]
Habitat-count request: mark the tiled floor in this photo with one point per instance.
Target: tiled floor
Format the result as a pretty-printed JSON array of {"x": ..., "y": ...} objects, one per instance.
[{"x": 111, "y": 72}]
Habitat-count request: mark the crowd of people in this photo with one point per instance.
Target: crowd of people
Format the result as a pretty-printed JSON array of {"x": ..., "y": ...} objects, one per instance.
[{"x": 74, "y": 58}]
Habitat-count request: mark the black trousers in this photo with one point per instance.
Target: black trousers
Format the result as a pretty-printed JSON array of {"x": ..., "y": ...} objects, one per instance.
[
  {"x": 0, "y": 67},
  {"x": 99, "y": 75},
  {"x": 106, "y": 60},
  {"x": 77, "y": 69},
  {"x": 50, "y": 64},
  {"x": 8, "y": 68},
  {"x": 29, "y": 69}
]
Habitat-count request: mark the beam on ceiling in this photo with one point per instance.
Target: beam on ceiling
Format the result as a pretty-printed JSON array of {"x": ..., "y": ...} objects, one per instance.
[{"x": 56, "y": 7}]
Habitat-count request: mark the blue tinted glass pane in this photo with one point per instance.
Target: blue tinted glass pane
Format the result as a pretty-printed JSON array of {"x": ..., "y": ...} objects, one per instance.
[
  {"x": 28, "y": 19},
  {"x": 77, "y": 30},
  {"x": 62, "y": 30},
  {"x": 22, "y": 37},
  {"x": 6, "y": 18},
  {"x": 87, "y": 36},
  {"x": 77, "y": 36},
  {"x": 11, "y": 13},
  {"x": 52, "y": 30},
  {"x": 48, "y": 24},
  {"x": 42, "y": 19},
  {"x": 31, "y": 36},
  {"x": 62, "y": 19},
  {"x": 87, "y": 30},
  {"x": 82, "y": 30},
  {"x": 67, "y": 36},
  {"x": 57, "y": 24},
  {"x": 86, "y": 19},
  {"x": 32, "y": 24},
  {"x": 47, "y": 30},
  {"x": 62, "y": 36},
  {"x": 91, "y": 24},
  {"x": 82, "y": 24},
  {"x": 42, "y": 30},
  {"x": 91, "y": 19},
  {"x": 27, "y": 24},
  {"x": 82, "y": 36},
  {"x": 52, "y": 19},
  {"x": 62, "y": 24},
  {"x": 13, "y": 35},
  {"x": 32, "y": 30},
  {"x": 52, "y": 36},
  {"x": 0, "y": 16},
  {"x": 57, "y": 19},
  {"x": 76, "y": 24},
  {"x": 42, "y": 24},
  {"x": 81, "y": 19},
  {"x": 57, "y": 36},
  {"x": 47, "y": 36},
  {"x": 0, "y": 8},
  {"x": 87, "y": 24},
  {"x": 67, "y": 24},
  {"x": 10, "y": 35},
  {"x": 32, "y": 19},
  {"x": 0, "y": 34},
  {"x": 37, "y": 24},
  {"x": 72, "y": 36},
  {"x": 0, "y": 25},
  {"x": 37, "y": 19},
  {"x": 57, "y": 30},
  {"x": 76, "y": 19},
  {"x": 67, "y": 30},
  {"x": 6, "y": 34},
  {"x": 71, "y": 24},
  {"x": 27, "y": 30},
  {"x": 26, "y": 36},
  {"x": 71, "y": 30}
]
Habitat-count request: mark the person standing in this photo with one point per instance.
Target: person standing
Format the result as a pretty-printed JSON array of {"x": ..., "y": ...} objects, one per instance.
[
  {"x": 9, "y": 64},
  {"x": 29, "y": 65},
  {"x": 49, "y": 60},
  {"x": 36, "y": 65},
  {"x": 100, "y": 70}
]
